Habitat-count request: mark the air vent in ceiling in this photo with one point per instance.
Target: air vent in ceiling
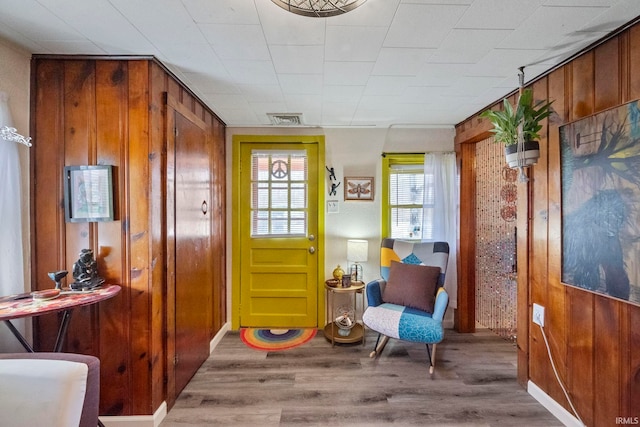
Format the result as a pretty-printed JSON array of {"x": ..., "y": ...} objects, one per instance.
[{"x": 285, "y": 119}]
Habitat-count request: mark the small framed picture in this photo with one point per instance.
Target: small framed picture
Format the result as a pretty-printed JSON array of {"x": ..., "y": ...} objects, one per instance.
[
  {"x": 88, "y": 193},
  {"x": 346, "y": 280},
  {"x": 358, "y": 188}
]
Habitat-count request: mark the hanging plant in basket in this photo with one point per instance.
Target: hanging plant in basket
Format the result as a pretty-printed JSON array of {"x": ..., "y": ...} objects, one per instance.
[{"x": 517, "y": 128}]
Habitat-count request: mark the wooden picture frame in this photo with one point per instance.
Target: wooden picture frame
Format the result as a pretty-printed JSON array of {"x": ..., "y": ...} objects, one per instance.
[
  {"x": 88, "y": 193},
  {"x": 358, "y": 188}
]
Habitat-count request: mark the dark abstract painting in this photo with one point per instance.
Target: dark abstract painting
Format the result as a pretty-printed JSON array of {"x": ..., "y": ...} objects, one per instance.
[{"x": 600, "y": 160}]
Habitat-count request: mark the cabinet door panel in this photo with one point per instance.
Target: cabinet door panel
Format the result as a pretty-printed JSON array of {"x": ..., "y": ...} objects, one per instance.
[{"x": 189, "y": 262}]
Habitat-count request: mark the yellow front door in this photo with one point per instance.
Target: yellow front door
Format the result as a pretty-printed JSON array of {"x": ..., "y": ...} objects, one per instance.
[{"x": 278, "y": 233}]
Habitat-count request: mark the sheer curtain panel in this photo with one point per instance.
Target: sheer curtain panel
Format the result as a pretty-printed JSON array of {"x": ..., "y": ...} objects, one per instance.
[
  {"x": 11, "y": 260},
  {"x": 440, "y": 177}
]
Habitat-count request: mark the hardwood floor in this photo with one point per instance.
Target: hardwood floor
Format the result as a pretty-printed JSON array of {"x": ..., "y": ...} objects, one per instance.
[{"x": 474, "y": 384}]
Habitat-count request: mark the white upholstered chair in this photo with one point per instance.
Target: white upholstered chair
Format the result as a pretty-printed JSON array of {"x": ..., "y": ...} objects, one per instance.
[{"x": 49, "y": 389}]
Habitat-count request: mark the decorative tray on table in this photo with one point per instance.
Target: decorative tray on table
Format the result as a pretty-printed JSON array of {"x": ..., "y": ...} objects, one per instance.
[{"x": 333, "y": 282}]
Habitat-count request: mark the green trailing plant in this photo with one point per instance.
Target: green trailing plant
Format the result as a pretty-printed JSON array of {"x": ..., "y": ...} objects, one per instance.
[{"x": 507, "y": 121}]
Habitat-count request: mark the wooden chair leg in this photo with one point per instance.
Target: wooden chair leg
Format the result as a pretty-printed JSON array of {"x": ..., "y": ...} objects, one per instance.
[
  {"x": 380, "y": 343},
  {"x": 432, "y": 358}
]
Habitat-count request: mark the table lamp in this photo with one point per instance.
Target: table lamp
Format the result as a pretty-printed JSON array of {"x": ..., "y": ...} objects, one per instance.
[{"x": 357, "y": 251}]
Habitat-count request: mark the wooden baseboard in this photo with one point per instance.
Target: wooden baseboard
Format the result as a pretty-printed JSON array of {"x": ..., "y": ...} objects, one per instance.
[
  {"x": 216, "y": 340},
  {"x": 564, "y": 416},
  {"x": 137, "y": 420}
]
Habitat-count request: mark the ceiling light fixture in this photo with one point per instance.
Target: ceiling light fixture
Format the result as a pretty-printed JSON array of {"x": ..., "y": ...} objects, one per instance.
[{"x": 318, "y": 8}]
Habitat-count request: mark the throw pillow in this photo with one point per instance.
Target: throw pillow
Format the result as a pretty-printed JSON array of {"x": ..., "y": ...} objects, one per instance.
[{"x": 412, "y": 285}]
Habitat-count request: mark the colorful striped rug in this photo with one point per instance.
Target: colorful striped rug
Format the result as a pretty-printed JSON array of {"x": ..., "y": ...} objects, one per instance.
[{"x": 275, "y": 339}]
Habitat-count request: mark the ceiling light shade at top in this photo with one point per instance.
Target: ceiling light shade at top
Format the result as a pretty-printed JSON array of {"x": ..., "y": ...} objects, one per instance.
[{"x": 318, "y": 8}]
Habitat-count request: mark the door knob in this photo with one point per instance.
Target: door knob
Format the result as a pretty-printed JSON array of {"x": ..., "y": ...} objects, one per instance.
[
  {"x": 312, "y": 237},
  {"x": 205, "y": 207},
  {"x": 312, "y": 250}
]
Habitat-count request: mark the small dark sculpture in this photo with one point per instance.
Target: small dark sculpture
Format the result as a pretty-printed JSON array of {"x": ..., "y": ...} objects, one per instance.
[
  {"x": 57, "y": 277},
  {"x": 332, "y": 173},
  {"x": 334, "y": 186},
  {"x": 85, "y": 272}
]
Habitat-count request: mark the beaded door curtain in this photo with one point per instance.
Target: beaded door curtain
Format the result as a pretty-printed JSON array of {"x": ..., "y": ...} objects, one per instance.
[{"x": 496, "y": 196}]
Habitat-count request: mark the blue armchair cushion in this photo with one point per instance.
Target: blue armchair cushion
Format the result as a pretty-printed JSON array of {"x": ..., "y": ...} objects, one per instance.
[
  {"x": 405, "y": 323},
  {"x": 412, "y": 285}
]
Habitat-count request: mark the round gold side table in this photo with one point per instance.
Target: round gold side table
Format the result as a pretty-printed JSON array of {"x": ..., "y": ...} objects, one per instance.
[{"x": 356, "y": 333}]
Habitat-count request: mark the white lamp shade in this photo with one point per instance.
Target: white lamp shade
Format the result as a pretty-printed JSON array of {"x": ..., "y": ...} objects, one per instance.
[{"x": 357, "y": 250}]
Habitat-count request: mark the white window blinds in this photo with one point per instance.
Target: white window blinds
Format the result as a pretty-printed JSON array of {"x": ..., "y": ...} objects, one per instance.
[
  {"x": 279, "y": 190},
  {"x": 410, "y": 201}
]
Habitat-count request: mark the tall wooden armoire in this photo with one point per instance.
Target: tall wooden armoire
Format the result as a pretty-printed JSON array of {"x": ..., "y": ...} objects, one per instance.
[{"x": 166, "y": 245}]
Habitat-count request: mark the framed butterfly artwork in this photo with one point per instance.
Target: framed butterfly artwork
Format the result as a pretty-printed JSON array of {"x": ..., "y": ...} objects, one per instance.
[{"x": 358, "y": 188}]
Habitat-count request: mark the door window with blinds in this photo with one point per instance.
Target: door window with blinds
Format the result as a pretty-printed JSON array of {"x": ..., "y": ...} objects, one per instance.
[
  {"x": 279, "y": 189},
  {"x": 408, "y": 205}
]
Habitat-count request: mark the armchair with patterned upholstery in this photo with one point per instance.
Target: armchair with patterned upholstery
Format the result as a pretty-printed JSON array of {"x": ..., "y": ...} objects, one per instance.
[{"x": 409, "y": 302}]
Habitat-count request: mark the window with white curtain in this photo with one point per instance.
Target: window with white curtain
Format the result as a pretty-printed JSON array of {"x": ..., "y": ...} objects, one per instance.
[{"x": 410, "y": 199}]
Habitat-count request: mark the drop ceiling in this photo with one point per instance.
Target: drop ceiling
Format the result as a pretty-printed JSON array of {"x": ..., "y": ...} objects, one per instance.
[{"x": 388, "y": 62}]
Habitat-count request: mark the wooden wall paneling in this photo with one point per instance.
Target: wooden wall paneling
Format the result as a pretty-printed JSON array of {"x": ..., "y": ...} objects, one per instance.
[
  {"x": 157, "y": 225},
  {"x": 538, "y": 255},
  {"x": 186, "y": 100},
  {"x": 80, "y": 149},
  {"x": 174, "y": 90},
  {"x": 219, "y": 169},
  {"x": 633, "y": 57},
  {"x": 110, "y": 243},
  {"x": 223, "y": 223},
  {"x": 523, "y": 299},
  {"x": 190, "y": 103},
  {"x": 582, "y": 90},
  {"x": 215, "y": 152},
  {"x": 581, "y": 328},
  {"x": 630, "y": 366},
  {"x": 568, "y": 97},
  {"x": 112, "y": 143},
  {"x": 139, "y": 399},
  {"x": 473, "y": 130},
  {"x": 170, "y": 230},
  {"x": 222, "y": 266},
  {"x": 594, "y": 339},
  {"x": 465, "y": 314},
  {"x": 111, "y": 111},
  {"x": 607, "y": 367},
  {"x": 47, "y": 208},
  {"x": 624, "y": 64},
  {"x": 211, "y": 215},
  {"x": 199, "y": 111},
  {"x": 630, "y": 318},
  {"x": 215, "y": 219},
  {"x": 523, "y": 262},
  {"x": 607, "y": 75},
  {"x": 181, "y": 96},
  {"x": 555, "y": 313},
  {"x": 580, "y": 352}
]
